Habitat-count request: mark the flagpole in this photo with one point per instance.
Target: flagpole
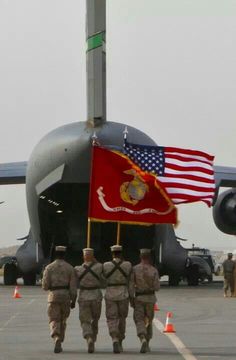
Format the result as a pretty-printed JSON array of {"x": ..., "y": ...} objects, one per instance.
[
  {"x": 118, "y": 234},
  {"x": 94, "y": 143},
  {"x": 89, "y": 233}
]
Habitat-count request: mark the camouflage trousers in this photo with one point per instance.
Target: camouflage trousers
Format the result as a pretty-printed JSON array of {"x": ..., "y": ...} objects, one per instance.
[
  {"x": 89, "y": 315},
  {"x": 143, "y": 316},
  {"x": 58, "y": 314},
  {"x": 229, "y": 283},
  {"x": 116, "y": 314}
]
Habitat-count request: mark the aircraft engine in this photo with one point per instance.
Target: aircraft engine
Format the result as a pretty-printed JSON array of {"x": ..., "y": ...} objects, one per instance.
[{"x": 224, "y": 212}]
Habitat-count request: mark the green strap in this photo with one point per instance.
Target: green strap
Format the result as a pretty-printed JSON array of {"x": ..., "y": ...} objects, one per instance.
[{"x": 95, "y": 40}]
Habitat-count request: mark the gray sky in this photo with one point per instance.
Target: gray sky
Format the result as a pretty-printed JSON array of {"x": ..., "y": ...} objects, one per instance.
[{"x": 170, "y": 72}]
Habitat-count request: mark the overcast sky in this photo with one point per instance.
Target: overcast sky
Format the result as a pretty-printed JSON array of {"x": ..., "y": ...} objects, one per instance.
[{"x": 170, "y": 72}]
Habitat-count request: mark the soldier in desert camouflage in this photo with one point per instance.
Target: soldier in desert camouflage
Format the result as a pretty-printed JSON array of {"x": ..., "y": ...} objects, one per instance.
[
  {"x": 90, "y": 280},
  {"x": 59, "y": 278},
  {"x": 146, "y": 282},
  {"x": 228, "y": 268},
  {"x": 119, "y": 291}
]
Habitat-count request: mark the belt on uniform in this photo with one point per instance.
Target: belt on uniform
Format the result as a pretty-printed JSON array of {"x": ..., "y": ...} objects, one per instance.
[
  {"x": 117, "y": 284},
  {"x": 144, "y": 292},
  {"x": 89, "y": 287},
  {"x": 59, "y": 288}
]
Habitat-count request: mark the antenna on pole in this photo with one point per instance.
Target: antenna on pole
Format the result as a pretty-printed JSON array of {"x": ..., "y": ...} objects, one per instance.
[{"x": 96, "y": 61}]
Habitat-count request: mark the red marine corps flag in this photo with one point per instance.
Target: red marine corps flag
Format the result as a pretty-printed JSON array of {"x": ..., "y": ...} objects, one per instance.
[{"x": 121, "y": 192}]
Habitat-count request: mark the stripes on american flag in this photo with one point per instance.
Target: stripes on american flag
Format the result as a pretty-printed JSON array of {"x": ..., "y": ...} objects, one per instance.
[{"x": 187, "y": 175}]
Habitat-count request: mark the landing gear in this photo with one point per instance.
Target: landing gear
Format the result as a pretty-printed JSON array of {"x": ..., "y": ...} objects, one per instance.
[
  {"x": 10, "y": 274},
  {"x": 193, "y": 275},
  {"x": 210, "y": 278},
  {"x": 174, "y": 279},
  {"x": 29, "y": 279}
]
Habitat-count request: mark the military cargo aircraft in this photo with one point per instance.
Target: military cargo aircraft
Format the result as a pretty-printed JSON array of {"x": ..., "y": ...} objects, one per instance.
[{"x": 57, "y": 178}]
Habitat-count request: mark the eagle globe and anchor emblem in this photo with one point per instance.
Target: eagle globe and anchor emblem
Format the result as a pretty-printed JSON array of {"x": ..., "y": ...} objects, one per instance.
[
  {"x": 131, "y": 192},
  {"x": 135, "y": 190}
]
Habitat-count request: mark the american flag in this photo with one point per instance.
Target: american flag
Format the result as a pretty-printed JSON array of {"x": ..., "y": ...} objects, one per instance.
[{"x": 187, "y": 175}]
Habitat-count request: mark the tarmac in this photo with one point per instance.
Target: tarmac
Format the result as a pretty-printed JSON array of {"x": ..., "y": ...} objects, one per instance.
[{"x": 204, "y": 321}]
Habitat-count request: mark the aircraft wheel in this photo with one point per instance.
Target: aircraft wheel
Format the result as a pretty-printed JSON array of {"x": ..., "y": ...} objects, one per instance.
[
  {"x": 193, "y": 275},
  {"x": 210, "y": 278},
  {"x": 10, "y": 274},
  {"x": 174, "y": 280},
  {"x": 29, "y": 279}
]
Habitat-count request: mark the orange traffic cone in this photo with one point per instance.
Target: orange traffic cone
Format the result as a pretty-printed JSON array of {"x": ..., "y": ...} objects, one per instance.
[
  {"x": 169, "y": 327},
  {"x": 156, "y": 308},
  {"x": 16, "y": 293}
]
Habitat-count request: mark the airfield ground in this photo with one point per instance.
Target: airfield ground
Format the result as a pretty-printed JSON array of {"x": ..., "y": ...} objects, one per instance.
[{"x": 205, "y": 326}]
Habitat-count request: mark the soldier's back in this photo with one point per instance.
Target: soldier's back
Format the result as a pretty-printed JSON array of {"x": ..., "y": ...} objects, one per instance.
[
  {"x": 116, "y": 273},
  {"x": 90, "y": 284},
  {"x": 143, "y": 272},
  {"x": 228, "y": 266},
  {"x": 97, "y": 268},
  {"x": 146, "y": 280},
  {"x": 109, "y": 265},
  {"x": 57, "y": 278}
]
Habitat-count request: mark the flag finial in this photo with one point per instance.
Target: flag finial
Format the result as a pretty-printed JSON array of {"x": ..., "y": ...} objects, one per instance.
[
  {"x": 125, "y": 132},
  {"x": 94, "y": 139}
]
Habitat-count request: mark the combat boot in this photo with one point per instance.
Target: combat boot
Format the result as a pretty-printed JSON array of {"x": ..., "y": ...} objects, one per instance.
[
  {"x": 144, "y": 344},
  {"x": 116, "y": 346},
  {"x": 120, "y": 345},
  {"x": 57, "y": 347},
  {"x": 90, "y": 343}
]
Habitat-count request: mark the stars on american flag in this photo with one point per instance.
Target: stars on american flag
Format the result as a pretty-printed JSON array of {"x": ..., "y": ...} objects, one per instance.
[{"x": 151, "y": 159}]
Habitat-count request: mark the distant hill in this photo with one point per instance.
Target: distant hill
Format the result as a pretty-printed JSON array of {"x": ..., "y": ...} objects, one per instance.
[{"x": 8, "y": 251}]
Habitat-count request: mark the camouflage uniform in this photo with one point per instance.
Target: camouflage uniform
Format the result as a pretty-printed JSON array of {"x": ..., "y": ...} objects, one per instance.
[
  {"x": 120, "y": 288},
  {"x": 146, "y": 280},
  {"x": 59, "y": 278},
  {"x": 234, "y": 276},
  {"x": 90, "y": 279},
  {"x": 228, "y": 267}
]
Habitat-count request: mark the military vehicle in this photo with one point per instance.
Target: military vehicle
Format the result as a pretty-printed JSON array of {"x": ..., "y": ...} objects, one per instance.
[
  {"x": 205, "y": 265},
  {"x": 57, "y": 178}
]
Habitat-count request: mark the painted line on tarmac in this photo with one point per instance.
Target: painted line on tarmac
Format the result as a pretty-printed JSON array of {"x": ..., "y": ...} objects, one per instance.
[
  {"x": 14, "y": 316},
  {"x": 8, "y": 321},
  {"x": 182, "y": 349},
  {"x": 210, "y": 356},
  {"x": 30, "y": 302}
]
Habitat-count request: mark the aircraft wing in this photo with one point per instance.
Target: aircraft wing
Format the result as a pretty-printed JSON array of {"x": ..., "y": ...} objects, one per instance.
[{"x": 13, "y": 173}]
